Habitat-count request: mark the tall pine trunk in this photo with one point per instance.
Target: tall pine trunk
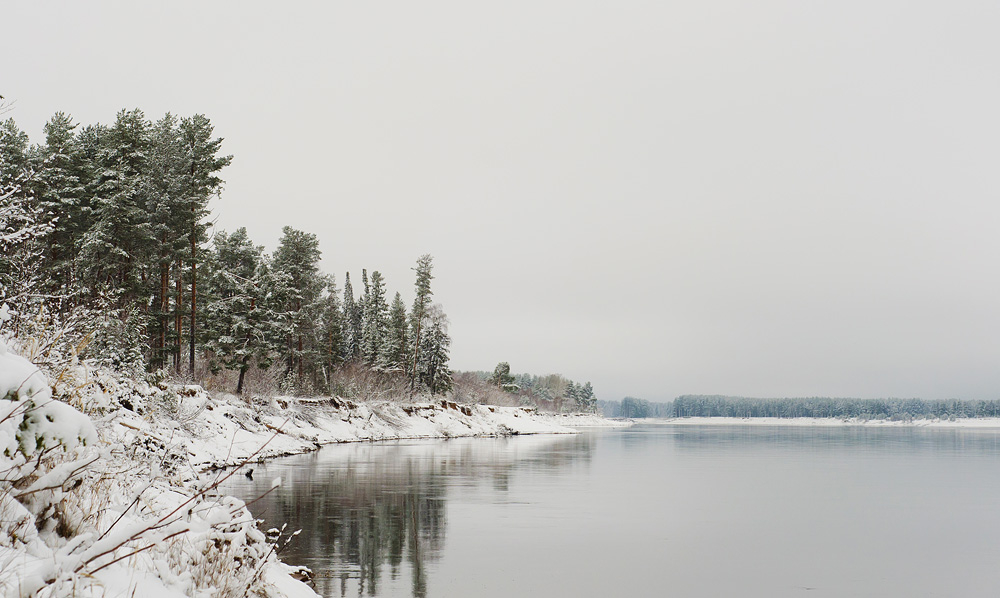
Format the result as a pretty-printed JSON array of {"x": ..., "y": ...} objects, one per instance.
[
  {"x": 161, "y": 349},
  {"x": 416, "y": 351},
  {"x": 179, "y": 316},
  {"x": 243, "y": 371}
]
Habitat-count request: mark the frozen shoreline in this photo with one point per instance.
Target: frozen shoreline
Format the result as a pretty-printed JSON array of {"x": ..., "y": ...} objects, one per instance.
[
  {"x": 130, "y": 506},
  {"x": 225, "y": 431},
  {"x": 983, "y": 423}
]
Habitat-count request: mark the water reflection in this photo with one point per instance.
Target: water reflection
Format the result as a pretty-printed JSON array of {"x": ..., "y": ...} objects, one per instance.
[
  {"x": 368, "y": 511},
  {"x": 873, "y": 439}
]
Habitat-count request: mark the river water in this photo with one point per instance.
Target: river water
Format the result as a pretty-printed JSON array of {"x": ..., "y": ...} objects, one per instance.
[{"x": 652, "y": 510}]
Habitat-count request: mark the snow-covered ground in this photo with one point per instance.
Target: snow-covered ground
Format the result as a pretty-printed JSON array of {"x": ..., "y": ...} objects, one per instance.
[
  {"x": 110, "y": 489},
  {"x": 985, "y": 422}
]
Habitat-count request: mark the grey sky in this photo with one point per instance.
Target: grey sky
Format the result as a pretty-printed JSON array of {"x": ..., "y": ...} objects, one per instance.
[{"x": 758, "y": 198}]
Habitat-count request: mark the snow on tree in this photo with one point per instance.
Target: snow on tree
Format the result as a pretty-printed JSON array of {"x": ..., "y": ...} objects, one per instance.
[
  {"x": 502, "y": 378},
  {"x": 419, "y": 313},
  {"x": 432, "y": 366},
  {"x": 120, "y": 242},
  {"x": 23, "y": 226},
  {"x": 201, "y": 162},
  {"x": 240, "y": 315},
  {"x": 394, "y": 350},
  {"x": 585, "y": 399},
  {"x": 351, "y": 322},
  {"x": 376, "y": 319},
  {"x": 59, "y": 190},
  {"x": 330, "y": 332},
  {"x": 297, "y": 257}
]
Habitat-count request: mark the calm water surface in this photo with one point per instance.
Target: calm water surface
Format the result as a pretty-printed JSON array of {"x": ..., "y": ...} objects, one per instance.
[{"x": 654, "y": 510}]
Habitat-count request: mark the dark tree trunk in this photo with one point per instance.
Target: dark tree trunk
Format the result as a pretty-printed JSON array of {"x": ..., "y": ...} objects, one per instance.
[
  {"x": 179, "y": 316},
  {"x": 243, "y": 372}
]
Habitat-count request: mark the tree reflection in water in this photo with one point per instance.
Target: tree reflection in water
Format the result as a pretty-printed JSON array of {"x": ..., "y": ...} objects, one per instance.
[{"x": 364, "y": 508}]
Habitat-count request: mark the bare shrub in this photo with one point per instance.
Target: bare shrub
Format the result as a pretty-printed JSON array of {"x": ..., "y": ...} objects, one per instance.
[
  {"x": 359, "y": 382},
  {"x": 470, "y": 387}
]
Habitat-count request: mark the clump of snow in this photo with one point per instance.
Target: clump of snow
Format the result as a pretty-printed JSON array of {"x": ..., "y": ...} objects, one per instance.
[
  {"x": 30, "y": 419},
  {"x": 19, "y": 378}
]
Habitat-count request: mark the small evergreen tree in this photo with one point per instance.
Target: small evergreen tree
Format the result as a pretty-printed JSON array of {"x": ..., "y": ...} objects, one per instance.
[
  {"x": 376, "y": 319},
  {"x": 394, "y": 350},
  {"x": 432, "y": 366},
  {"x": 421, "y": 305},
  {"x": 502, "y": 378},
  {"x": 585, "y": 400},
  {"x": 297, "y": 257},
  {"x": 351, "y": 322},
  {"x": 330, "y": 330}
]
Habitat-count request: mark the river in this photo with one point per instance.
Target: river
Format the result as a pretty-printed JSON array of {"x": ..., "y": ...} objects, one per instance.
[{"x": 652, "y": 510}]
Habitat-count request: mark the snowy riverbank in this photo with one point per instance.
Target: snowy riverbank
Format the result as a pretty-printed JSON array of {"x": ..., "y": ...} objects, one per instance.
[
  {"x": 107, "y": 489},
  {"x": 984, "y": 422},
  {"x": 225, "y": 431}
]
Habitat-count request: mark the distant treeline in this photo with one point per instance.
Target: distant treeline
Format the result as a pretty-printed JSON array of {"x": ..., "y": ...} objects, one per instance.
[
  {"x": 632, "y": 407},
  {"x": 723, "y": 406}
]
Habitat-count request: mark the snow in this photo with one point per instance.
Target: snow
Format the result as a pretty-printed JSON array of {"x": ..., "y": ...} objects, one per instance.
[{"x": 113, "y": 493}]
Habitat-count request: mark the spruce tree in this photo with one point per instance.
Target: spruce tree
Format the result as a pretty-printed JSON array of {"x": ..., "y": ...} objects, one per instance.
[
  {"x": 61, "y": 193},
  {"x": 376, "y": 320},
  {"x": 298, "y": 257},
  {"x": 119, "y": 243},
  {"x": 394, "y": 351},
  {"x": 239, "y": 313},
  {"x": 421, "y": 304},
  {"x": 434, "y": 352},
  {"x": 351, "y": 322},
  {"x": 585, "y": 397},
  {"x": 14, "y": 160},
  {"x": 363, "y": 312},
  {"x": 331, "y": 331}
]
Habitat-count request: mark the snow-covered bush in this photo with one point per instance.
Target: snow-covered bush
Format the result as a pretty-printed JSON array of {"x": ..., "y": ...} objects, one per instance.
[
  {"x": 30, "y": 419},
  {"x": 81, "y": 517}
]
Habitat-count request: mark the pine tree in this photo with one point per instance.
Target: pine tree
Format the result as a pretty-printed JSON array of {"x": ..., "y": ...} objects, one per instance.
[
  {"x": 168, "y": 212},
  {"x": 502, "y": 379},
  {"x": 200, "y": 183}
]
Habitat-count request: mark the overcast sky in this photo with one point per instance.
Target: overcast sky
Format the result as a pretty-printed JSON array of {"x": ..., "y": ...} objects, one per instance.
[{"x": 757, "y": 198}]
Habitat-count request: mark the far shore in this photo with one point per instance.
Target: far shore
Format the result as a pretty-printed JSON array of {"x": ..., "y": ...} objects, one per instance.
[{"x": 978, "y": 422}]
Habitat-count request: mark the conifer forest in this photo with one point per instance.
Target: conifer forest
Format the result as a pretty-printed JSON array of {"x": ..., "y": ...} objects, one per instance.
[{"x": 108, "y": 244}]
